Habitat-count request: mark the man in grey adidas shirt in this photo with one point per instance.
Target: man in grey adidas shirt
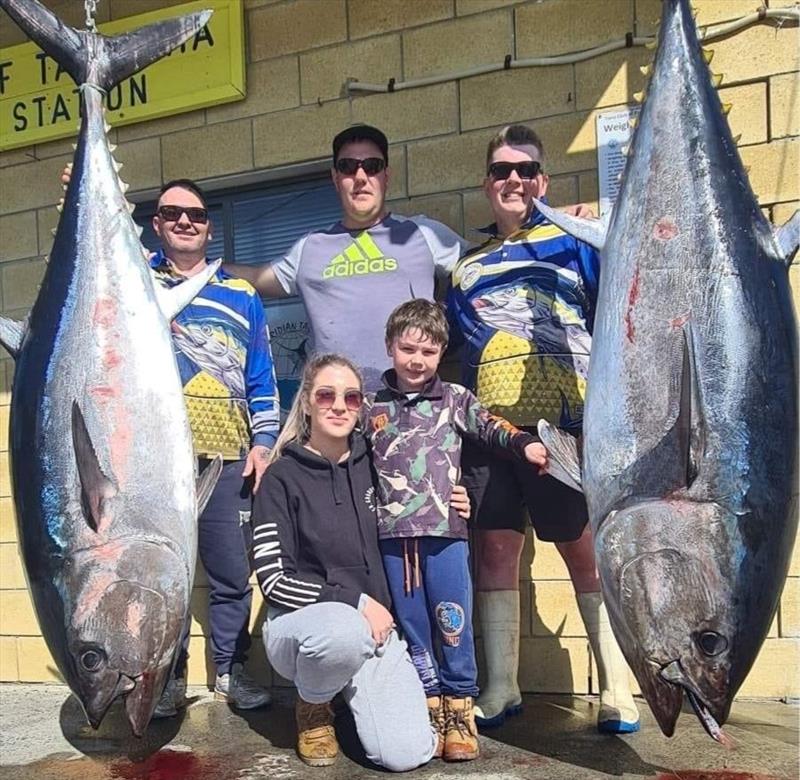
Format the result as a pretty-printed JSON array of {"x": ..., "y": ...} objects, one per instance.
[{"x": 352, "y": 275}]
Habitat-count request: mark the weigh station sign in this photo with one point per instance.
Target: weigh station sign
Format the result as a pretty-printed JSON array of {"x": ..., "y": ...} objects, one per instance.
[{"x": 39, "y": 101}]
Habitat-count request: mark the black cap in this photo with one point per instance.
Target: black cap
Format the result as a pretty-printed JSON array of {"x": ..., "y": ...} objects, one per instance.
[{"x": 361, "y": 133}]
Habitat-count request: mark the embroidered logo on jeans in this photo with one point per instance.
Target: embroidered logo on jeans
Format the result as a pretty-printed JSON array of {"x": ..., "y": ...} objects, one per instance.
[{"x": 450, "y": 617}]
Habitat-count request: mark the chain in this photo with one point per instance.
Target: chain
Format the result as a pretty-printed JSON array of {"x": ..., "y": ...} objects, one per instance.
[{"x": 91, "y": 9}]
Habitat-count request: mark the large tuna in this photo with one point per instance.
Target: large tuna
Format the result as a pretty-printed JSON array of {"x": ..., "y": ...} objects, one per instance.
[
  {"x": 689, "y": 457},
  {"x": 102, "y": 464}
]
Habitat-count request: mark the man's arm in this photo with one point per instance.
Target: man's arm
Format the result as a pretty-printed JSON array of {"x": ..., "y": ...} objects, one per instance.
[
  {"x": 262, "y": 394},
  {"x": 262, "y": 277},
  {"x": 273, "y": 280}
]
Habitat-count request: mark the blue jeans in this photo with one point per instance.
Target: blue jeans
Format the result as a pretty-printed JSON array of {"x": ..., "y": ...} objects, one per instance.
[{"x": 435, "y": 614}]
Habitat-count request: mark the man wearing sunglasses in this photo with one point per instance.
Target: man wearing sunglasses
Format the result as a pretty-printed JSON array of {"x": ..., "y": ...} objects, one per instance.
[
  {"x": 525, "y": 303},
  {"x": 354, "y": 274},
  {"x": 223, "y": 353}
]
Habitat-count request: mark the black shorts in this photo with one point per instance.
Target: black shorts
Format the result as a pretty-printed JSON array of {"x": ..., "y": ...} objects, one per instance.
[{"x": 501, "y": 489}]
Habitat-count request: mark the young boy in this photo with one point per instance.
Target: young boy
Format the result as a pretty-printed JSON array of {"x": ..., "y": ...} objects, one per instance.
[{"x": 415, "y": 426}]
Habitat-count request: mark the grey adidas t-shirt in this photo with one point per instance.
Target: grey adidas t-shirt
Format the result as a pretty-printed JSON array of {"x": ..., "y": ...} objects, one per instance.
[{"x": 350, "y": 281}]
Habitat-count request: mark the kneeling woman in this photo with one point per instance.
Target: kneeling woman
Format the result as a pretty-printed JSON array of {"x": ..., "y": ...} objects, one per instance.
[{"x": 317, "y": 559}]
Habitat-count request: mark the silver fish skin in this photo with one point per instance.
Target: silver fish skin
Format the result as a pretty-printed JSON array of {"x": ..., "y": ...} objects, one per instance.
[
  {"x": 103, "y": 471},
  {"x": 691, "y": 423}
]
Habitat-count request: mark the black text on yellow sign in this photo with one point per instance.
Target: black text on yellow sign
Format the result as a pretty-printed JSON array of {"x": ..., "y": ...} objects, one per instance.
[{"x": 40, "y": 102}]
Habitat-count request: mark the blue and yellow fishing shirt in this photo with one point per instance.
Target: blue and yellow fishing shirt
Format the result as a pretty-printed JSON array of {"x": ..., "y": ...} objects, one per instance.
[
  {"x": 525, "y": 305},
  {"x": 225, "y": 362}
]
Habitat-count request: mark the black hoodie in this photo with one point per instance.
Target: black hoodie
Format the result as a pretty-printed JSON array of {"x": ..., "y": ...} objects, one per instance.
[{"x": 315, "y": 534}]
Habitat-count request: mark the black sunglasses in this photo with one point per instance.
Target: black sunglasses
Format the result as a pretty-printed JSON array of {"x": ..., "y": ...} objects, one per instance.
[
  {"x": 195, "y": 214},
  {"x": 349, "y": 165},
  {"x": 529, "y": 169}
]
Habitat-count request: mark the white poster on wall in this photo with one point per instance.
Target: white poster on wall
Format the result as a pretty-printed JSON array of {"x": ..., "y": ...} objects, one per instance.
[
  {"x": 614, "y": 133},
  {"x": 290, "y": 338}
]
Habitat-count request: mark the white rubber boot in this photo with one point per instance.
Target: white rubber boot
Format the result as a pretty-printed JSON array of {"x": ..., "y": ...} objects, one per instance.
[
  {"x": 618, "y": 713},
  {"x": 498, "y": 613}
]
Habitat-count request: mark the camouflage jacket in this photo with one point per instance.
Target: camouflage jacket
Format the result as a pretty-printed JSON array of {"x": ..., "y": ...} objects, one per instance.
[{"x": 416, "y": 451}]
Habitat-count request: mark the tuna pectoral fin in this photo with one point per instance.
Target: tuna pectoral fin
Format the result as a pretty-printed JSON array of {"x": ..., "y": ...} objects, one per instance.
[
  {"x": 206, "y": 483},
  {"x": 676, "y": 456},
  {"x": 171, "y": 300},
  {"x": 96, "y": 487},
  {"x": 591, "y": 231},
  {"x": 788, "y": 237},
  {"x": 11, "y": 334},
  {"x": 76, "y": 51},
  {"x": 563, "y": 456}
]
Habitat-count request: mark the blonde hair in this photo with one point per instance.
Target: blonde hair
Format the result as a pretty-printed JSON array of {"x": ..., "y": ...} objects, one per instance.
[{"x": 297, "y": 428}]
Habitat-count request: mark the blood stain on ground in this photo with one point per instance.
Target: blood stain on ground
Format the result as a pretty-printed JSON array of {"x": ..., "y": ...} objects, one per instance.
[{"x": 170, "y": 765}]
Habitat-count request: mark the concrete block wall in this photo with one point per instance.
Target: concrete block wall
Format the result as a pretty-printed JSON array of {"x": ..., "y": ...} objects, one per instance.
[{"x": 299, "y": 55}]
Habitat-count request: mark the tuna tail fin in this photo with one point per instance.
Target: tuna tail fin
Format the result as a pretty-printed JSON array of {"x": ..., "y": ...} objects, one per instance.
[
  {"x": 171, "y": 300},
  {"x": 11, "y": 334},
  {"x": 96, "y": 487},
  {"x": 788, "y": 237},
  {"x": 206, "y": 483},
  {"x": 563, "y": 455},
  {"x": 94, "y": 58},
  {"x": 590, "y": 231}
]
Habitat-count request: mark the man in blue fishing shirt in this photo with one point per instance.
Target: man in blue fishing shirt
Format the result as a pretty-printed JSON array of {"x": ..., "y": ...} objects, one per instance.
[
  {"x": 223, "y": 354},
  {"x": 524, "y": 302}
]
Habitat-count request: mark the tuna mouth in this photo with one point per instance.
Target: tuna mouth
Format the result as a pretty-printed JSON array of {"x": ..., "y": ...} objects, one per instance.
[{"x": 673, "y": 673}]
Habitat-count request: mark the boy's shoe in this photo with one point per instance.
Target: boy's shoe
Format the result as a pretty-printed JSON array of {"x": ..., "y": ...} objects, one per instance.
[
  {"x": 436, "y": 714},
  {"x": 316, "y": 739},
  {"x": 240, "y": 690},
  {"x": 461, "y": 733},
  {"x": 173, "y": 698}
]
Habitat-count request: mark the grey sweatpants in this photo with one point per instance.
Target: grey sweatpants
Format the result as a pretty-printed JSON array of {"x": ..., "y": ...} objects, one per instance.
[{"x": 327, "y": 648}]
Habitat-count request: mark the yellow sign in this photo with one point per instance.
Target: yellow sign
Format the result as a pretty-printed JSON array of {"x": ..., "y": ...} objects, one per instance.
[{"x": 39, "y": 101}]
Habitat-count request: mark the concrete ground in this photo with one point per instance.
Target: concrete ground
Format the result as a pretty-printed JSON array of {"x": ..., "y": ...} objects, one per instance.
[{"x": 43, "y": 736}]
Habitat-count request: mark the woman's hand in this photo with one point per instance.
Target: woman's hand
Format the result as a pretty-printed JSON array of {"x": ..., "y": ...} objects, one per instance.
[
  {"x": 459, "y": 500},
  {"x": 379, "y": 618}
]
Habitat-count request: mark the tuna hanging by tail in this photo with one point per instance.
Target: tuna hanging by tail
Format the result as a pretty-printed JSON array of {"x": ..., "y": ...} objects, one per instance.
[
  {"x": 690, "y": 436},
  {"x": 103, "y": 471}
]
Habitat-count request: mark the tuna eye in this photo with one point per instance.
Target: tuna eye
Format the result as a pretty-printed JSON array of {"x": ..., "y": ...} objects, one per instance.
[
  {"x": 712, "y": 643},
  {"x": 92, "y": 660}
]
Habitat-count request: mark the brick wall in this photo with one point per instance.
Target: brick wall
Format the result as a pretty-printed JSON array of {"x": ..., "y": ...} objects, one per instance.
[{"x": 300, "y": 52}]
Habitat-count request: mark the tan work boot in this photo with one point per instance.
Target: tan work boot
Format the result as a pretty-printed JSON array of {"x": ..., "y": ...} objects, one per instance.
[
  {"x": 436, "y": 714},
  {"x": 316, "y": 739},
  {"x": 460, "y": 733}
]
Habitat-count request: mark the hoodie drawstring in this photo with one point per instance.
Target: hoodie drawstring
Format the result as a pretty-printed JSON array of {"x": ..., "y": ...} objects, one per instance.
[{"x": 408, "y": 585}]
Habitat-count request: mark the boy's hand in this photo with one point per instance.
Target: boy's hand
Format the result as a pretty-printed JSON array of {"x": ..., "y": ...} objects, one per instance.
[
  {"x": 537, "y": 454},
  {"x": 459, "y": 500}
]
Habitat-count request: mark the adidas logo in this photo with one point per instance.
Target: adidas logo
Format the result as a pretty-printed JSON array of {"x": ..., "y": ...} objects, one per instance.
[{"x": 362, "y": 257}]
